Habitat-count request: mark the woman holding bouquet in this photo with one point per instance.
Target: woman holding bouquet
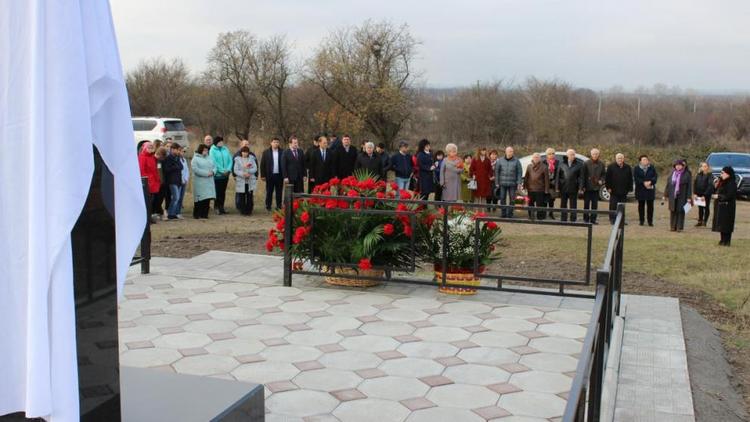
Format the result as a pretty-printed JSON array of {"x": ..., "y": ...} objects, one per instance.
[
  {"x": 450, "y": 174},
  {"x": 466, "y": 193}
]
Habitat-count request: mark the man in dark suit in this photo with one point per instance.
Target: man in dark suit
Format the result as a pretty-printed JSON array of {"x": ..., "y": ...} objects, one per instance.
[
  {"x": 270, "y": 172},
  {"x": 369, "y": 160},
  {"x": 346, "y": 158},
  {"x": 308, "y": 165},
  {"x": 293, "y": 166},
  {"x": 321, "y": 163}
]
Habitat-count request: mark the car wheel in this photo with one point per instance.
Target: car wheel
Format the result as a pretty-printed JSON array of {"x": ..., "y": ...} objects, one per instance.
[{"x": 603, "y": 194}]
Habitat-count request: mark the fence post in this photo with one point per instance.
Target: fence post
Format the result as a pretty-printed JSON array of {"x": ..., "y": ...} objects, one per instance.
[
  {"x": 288, "y": 218},
  {"x": 445, "y": 245},
  {"x": 618, "y": 261},
  {"x": 146, "y": 238}
]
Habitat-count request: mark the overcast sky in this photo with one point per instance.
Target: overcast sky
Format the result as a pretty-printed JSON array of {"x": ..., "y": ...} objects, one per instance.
[{"x": 704, "y": 45}]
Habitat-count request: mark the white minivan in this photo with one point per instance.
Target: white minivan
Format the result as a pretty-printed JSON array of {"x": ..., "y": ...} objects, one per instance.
[{"x": 153, "y": 128}]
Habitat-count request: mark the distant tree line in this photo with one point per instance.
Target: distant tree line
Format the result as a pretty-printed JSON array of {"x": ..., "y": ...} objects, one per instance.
[{"x": 361, "y": 81}]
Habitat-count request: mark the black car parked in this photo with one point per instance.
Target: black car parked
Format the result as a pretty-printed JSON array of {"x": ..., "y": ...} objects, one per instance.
[{"x": 737, "y": 160}]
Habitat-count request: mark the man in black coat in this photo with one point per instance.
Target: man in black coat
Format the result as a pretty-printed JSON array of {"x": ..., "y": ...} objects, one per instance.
[
  {"x": 270, "y": 172},
  {"x": 346, "y": 158},
  {"x": 569, "y": 181},
  {"x": 593, "y": 179},
  {"x": 385, "y": 160},
  {"x": 369, "y": 160},
  {"x": 293, "y": 166},
  {"x": 321, "y": 163},
  {"x": 308, "y": 165},
  {"x": 619, "y": 182}
]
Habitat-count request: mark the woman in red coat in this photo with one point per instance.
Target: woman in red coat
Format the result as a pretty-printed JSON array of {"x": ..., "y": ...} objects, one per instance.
[
  {"x": 481, "y": 171},
  {"x": 149, "y": 169}
]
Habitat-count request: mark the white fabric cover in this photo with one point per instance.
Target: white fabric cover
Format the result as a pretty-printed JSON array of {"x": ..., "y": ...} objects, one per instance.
[{"x": 61, "y": 89}]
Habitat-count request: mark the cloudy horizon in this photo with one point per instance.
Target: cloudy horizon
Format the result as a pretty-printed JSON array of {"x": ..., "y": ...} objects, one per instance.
[{"x": 599, "y": 45}]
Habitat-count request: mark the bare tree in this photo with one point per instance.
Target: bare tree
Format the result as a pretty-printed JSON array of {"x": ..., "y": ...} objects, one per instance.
[
  {"x": 159, "y": 87},
  {"x": 367, "y": 71},
  {"x": 230, "y": 73},
  {"x": 272, "y": 71}
]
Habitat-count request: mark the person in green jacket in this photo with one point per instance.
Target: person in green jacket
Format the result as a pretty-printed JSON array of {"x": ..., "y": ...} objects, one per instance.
[
  {"x": 204, "y": 189},
  {"x": 222, "y": 159}
]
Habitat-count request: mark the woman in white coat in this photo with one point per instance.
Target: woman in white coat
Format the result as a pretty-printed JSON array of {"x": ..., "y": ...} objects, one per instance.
[{"x": 246, "y": 169}]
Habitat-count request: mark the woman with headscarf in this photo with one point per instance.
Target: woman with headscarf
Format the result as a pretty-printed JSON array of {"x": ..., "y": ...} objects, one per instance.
[
  {"x": 678, "y": 192},
  {"x": 725, "y": 205},
  {"x": 450, "y": 174},
  {"x": 149, "y": 169}
]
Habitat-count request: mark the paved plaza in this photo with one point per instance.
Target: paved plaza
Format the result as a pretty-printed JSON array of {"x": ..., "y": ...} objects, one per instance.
[
  {"x": 353, "y": 355},
  {"x": 394, "y": 352}
]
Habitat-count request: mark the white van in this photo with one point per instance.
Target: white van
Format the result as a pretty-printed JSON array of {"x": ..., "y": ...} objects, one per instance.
[{"x": 153, "y": 128}]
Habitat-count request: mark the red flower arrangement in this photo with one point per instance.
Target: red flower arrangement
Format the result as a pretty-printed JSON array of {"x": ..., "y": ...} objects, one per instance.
[{"x": 360, "y": 240}]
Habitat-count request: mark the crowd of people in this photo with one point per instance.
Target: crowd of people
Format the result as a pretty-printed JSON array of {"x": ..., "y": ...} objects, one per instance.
[{"x": 483, "y": 177}]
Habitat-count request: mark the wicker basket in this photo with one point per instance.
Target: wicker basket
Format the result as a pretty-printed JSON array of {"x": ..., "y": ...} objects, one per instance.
[
  {"x": 464, "y": 278},
  {"x": 353, "y": 282}
]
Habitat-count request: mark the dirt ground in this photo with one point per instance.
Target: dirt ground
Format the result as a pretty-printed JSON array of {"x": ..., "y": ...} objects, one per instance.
[{"x": 534, "y": 253}]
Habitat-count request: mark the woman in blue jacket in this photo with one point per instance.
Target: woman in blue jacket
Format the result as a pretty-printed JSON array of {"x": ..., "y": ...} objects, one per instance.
[
  {"x": 224, "y": 163},
  {"x": 426, "y": 167}
]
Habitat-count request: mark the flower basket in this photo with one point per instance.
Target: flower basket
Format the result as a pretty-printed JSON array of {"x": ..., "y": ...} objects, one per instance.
[
  {"x": 354, "y": 282},
  {"x": 460, "y": 254},
  {"x": 463, "y": 277},
  {"x": 349, "y": 225}
]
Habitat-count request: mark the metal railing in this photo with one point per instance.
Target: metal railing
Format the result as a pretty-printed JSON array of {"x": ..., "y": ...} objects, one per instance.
[
  {"x": 144, "y": 256},
  {"x": 560, "y": 283},
  {"x": 585, "y": 396}
]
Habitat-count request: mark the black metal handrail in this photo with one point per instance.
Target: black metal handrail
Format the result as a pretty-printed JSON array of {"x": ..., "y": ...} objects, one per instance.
[
  {"x": 289, "y": 270},
  {"x": 585, "y": 396}
]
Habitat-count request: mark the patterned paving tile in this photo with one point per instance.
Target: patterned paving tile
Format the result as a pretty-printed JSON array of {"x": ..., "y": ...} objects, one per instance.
[{"x": 340, "y": 355}]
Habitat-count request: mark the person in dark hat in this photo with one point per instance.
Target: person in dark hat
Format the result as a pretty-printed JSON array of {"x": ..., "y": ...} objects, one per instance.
[
  {"x": 725, "y": 205},
  {"x": 678, "y": 192}
]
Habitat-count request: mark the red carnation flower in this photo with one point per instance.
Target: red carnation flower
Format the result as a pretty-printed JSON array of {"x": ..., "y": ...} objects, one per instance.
[
  {"x": 365, "y": 264},
  {"x": 295, "y": 204},
  {"x": 352, "y": 194},
  {"x": 331, "y": 204},
  {"x": 388, "y": 229},
  {"x": 492, "y": 225},
  {"x": 343, "y": 204},
  {"x": 407, "y": 230},
  {"x": 280, "y": 225},
  {"x": 380, "y": 195},
  {"x": 357, "y": 205},
  {"x": 269, "y": 246},
  {"x": 305, "y": 217},
  {"x": 480, "y": 214},
  {"x": 404, "y": 194},
  {"x": 394, "y": 186},
  {"x": 334, "y": 181}
]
